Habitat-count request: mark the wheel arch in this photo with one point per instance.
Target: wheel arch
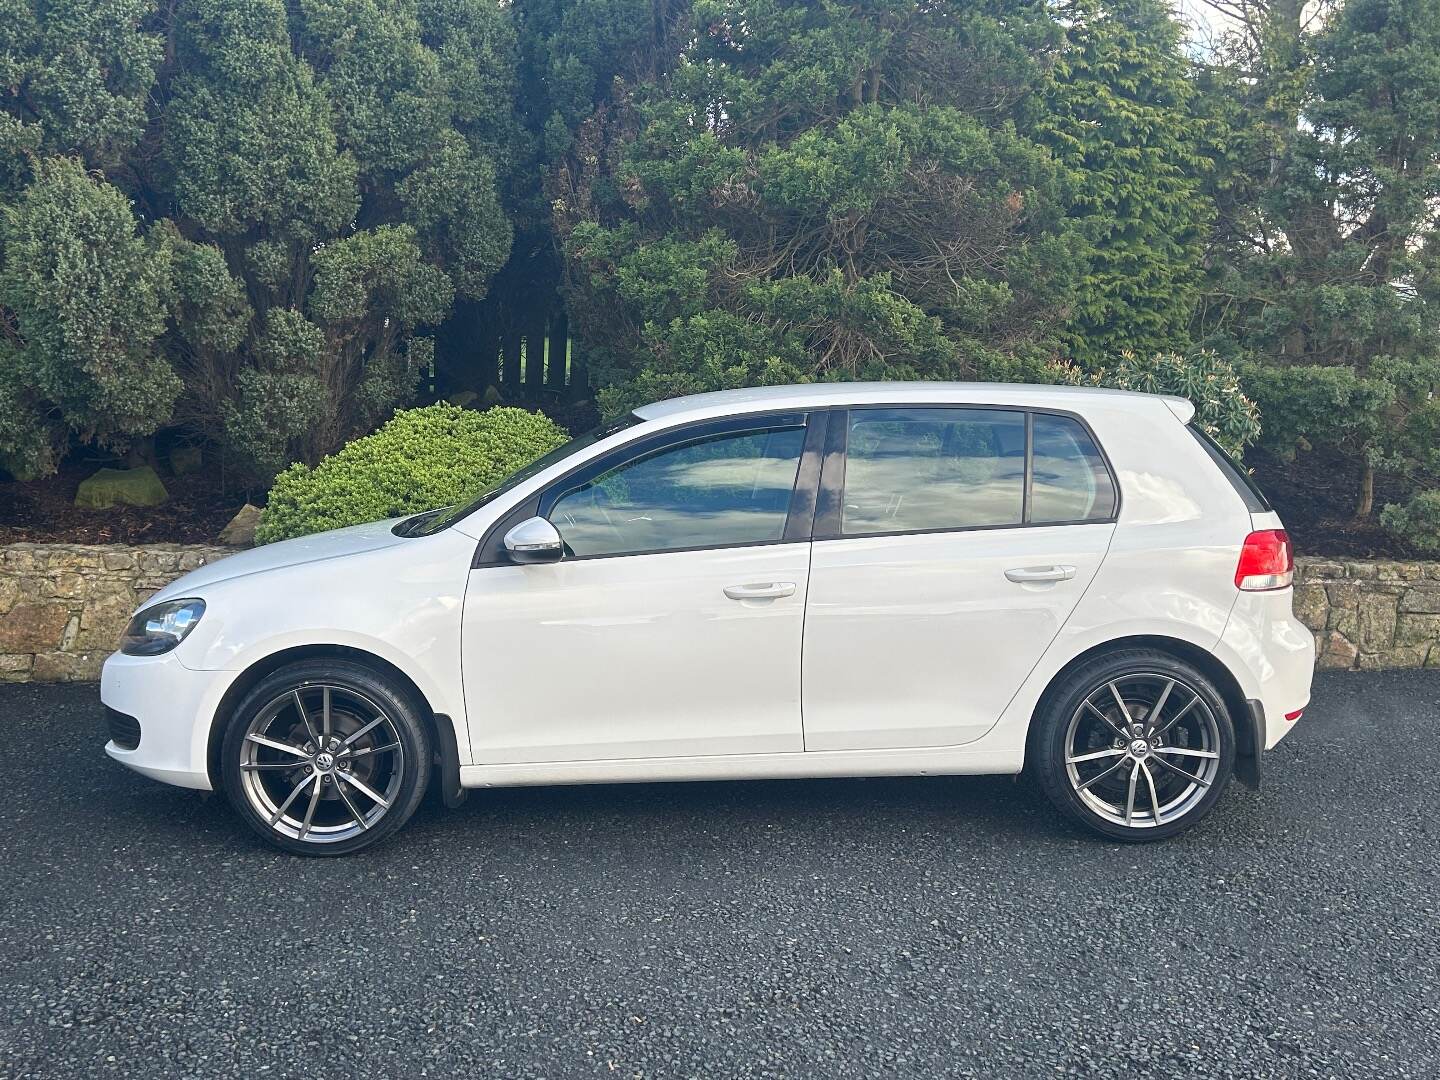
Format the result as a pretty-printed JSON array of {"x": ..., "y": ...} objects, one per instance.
[
  {"x": 1209, "y": 665},
  {"x": 442, "y": 727}
]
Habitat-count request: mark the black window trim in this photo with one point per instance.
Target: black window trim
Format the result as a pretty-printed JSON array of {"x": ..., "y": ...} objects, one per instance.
[
  {"x": 832, "y": 475},
  {"x": 800, "y": 514}
]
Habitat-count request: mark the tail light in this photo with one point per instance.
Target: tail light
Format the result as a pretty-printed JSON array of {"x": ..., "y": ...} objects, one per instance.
[{"x": 1267, "y": 561}]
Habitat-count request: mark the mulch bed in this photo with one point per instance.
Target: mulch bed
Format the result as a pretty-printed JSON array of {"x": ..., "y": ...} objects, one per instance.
[
  {"x": 1313, "y": 495},
  {"x": 1315, "y": 498},
  {"x": 45, "y": 512}
]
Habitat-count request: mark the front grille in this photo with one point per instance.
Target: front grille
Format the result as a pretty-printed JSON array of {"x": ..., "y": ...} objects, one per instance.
[{"x": 124, "y": 728}]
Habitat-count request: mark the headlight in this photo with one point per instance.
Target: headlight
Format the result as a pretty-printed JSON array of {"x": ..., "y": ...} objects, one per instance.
[{"x": 160, "y": 628}]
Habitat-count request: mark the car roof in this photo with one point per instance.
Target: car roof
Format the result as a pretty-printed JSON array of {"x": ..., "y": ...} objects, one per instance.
[{"x": 821, "y": 395}]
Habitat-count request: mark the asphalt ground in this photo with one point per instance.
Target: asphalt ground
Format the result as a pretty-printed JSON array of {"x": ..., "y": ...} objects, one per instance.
[{"x": 907, "y": 927}]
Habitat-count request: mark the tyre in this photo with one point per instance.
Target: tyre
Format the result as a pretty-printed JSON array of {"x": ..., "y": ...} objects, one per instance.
[
  {"x": 326, "y": 757},
  {"x": 1134, "y": 745}
]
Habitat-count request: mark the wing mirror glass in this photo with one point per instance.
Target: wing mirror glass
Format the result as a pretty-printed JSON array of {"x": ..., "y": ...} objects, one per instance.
[{"x": 534, "y": 540}]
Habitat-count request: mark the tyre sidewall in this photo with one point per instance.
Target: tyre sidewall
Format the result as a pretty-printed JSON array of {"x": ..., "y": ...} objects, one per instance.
[
  {"x": 398, "y": 705},
  {"x": 1049, "y": 750}
]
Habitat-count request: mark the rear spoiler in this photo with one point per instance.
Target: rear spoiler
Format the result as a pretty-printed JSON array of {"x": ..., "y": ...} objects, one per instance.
[{"x": 1183, "y": 408}]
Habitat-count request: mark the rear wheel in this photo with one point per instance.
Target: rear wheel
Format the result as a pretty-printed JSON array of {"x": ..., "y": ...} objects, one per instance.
[
  {"x": 1137, "y": 745},
  {"x": 326, "y": 757}
]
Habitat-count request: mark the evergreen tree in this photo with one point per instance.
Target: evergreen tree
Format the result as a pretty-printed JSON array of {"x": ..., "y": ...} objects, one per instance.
[
  {"x": 808, "y": 190},
  {"x": 1118, "y": 116}
]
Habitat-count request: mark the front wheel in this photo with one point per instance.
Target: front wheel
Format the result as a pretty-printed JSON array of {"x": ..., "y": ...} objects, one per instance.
[
  {"x": 1136, "y": 745},
  {"x": 326, "y": 757}
]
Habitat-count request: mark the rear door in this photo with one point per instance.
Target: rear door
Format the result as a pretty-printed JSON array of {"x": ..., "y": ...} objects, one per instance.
[{"x": 951, "y": 544}]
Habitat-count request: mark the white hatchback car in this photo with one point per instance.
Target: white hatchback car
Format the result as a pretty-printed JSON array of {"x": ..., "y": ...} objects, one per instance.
[{"x": 827, "y": 580}]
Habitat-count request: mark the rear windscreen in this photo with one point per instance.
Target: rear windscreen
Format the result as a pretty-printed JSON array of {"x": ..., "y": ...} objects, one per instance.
[{"x": 1234, "y": 472}]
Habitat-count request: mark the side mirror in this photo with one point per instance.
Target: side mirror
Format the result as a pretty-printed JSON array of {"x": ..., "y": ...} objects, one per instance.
[{"x": 534, "y": 540}]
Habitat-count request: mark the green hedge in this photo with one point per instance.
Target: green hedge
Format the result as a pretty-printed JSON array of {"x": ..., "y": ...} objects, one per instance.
[{"x": 421, "y": 459}]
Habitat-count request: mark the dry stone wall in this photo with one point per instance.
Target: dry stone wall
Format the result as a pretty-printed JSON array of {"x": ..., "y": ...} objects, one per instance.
[
  {"x": 1370, "y": 613},
  {"x": 63, "y": 606}
]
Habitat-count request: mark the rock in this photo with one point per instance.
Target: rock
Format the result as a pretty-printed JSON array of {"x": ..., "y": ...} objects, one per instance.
[
  {"x": 67, "y": 667},
  {"x": 241, "y": 530},
  {"x": 185, "y": 460},
  {"x": 30, "y": 628},
  {"x": 9, "y": 593},
  {"x": 15, "y": 668},
  {"x": 1402, "y": 656},
  {"x": 1377, "y": 621},
  {"x": 1417, "y": 629},
  {"x": 1311, "y": 606},
  {"x": 1339, "y": 652},
  {"x": 121, "y": 487},
  {"x": 491, "y": 396},
  {"x": 1425, "y": 600},
  {"x": 463, "y": 398}
]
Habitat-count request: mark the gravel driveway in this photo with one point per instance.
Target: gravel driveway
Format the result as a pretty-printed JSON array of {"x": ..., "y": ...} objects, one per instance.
[{"x": 928, "y": 927}]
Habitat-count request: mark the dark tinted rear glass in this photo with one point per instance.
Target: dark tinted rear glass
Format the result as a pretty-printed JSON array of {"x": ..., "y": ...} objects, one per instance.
[{"x": 1234, "y": 472}]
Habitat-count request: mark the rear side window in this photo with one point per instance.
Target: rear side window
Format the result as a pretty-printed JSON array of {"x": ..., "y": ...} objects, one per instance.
[
  {"x": 1245, "y": 487},
  {"x": 919, "y": 470},
  {"x": 1069, "y": 479}
]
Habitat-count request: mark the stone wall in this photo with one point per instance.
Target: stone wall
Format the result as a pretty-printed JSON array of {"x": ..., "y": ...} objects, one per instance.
[
  {"x": 1371, "y": 613},
  {"x": 64, "y": 606}
]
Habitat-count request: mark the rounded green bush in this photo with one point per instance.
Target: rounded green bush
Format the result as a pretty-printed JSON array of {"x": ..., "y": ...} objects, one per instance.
[
  {"x": 420, "y": 460},
  {"x": 1417, "y": 522}
]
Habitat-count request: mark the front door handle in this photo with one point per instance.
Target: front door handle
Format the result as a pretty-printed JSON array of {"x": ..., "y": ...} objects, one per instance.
[
  {"x": 770, "y": 590},
  {"x": 1025, "y": 575}
]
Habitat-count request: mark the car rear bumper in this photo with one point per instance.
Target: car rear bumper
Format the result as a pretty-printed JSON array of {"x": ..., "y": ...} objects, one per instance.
[
  {"x": 1273, "y": 655},
  {"x": 172, "y": 707}
]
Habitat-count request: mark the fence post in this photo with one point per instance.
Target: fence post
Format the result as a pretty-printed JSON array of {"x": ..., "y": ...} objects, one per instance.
[
  {"x": 510, "y": 369},
  {"x": 556, "y": 364},
  {"x": 535, "y": 359}
]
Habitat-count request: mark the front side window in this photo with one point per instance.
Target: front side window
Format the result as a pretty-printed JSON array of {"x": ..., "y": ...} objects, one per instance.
[
  {"x": 720, "y": 491},
  {"x": 911, "y": 470}
]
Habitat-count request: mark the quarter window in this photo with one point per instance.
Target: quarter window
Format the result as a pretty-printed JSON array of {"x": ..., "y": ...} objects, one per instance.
[
  {"x": 727, "y": 489},
  {"x": 909, "y": 470},
  {"x": 1069, "y": 479}
]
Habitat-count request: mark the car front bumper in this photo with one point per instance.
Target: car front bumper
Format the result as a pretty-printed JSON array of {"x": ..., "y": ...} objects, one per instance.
[{"x": 174, "y": 706}]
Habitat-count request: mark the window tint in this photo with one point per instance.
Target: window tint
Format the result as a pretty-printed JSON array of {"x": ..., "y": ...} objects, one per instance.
[
  {"x": 728, "y": 489},
  {"x": 1069, "y": 480},
  {"x": 913, "y": 469}
]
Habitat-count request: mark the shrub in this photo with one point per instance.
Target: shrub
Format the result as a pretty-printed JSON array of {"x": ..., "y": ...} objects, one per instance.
[
  {"x": 1417, "y": 522},
  {"x": 1207, "y": 380},
  {"x": 421, "y": 459}
]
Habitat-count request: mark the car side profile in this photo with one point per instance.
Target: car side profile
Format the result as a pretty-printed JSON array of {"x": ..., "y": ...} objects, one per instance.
[{"x": 865, "y": 579}]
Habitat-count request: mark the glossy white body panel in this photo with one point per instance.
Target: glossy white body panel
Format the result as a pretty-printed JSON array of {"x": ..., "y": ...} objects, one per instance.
[
  {"x": 934, "y": 614},
  {"x": 635, "y": 656},
  {"x": 640, "y": 668}
]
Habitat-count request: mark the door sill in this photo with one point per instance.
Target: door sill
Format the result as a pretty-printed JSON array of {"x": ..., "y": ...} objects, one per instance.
[{"x": 926, "y": 761}]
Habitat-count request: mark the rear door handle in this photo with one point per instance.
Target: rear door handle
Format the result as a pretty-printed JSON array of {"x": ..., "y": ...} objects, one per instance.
[
  {"x": 769, "y": 590},
  {"x": 1027, "y": 574}
]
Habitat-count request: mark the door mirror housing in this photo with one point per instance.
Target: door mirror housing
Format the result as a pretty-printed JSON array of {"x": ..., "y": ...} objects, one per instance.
[{"x": 534, "y": 540}]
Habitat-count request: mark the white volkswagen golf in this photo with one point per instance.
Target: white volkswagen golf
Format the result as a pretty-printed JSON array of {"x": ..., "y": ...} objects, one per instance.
[{"x": 829, "y": 580}]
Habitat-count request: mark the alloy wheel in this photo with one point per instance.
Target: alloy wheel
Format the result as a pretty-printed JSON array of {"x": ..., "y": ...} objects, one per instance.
[
  {"x": 321, "y": 763},
  {"x": 1142, "y": 749}
]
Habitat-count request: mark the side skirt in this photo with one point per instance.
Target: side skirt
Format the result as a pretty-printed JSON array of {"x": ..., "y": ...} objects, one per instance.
[{"x": 918, "y": 762}]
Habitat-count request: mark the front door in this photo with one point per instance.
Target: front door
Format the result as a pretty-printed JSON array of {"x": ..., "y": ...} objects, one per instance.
[
  {"x": 950, "y": 548},
  {"x": 672, "y": 626}
]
